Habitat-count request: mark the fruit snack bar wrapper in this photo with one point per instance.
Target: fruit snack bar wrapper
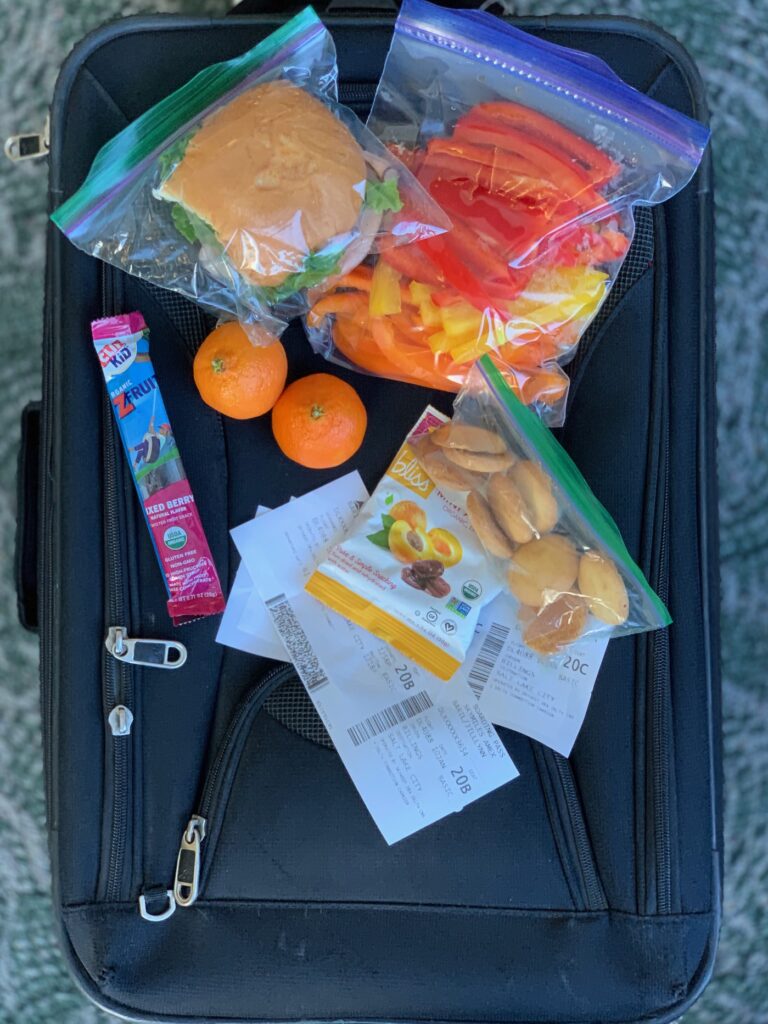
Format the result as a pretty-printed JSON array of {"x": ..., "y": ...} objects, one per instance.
[{"x": 122, "y": 345}]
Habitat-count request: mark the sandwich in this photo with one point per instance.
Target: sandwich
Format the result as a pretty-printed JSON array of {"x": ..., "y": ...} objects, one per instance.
[{"x": 275, "y": 187}]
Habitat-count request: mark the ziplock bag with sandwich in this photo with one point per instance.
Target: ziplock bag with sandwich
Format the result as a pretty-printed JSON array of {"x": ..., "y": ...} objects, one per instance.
[
  {"x": 248, "y": 185},
  {"x": 470, "y": 507},
  {"x": 537, "y": 154}
]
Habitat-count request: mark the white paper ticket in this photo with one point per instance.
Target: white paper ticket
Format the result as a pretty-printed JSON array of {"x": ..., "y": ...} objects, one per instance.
[
  {"x": 544, "y": 698},
  {"x": 415, "y": 747}
]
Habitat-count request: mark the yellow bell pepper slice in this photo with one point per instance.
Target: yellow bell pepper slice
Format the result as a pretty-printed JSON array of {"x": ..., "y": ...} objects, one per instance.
[
  {"x": 430, "y": 314},
  {"x": 420, "y": 292},
  {"x": 469, "y": 351},
  {"x": 440, "y": 342},
  {"x": 461, "y": 318},
  {"x": 385, "y": 297},
  {"x": 548, "y": 286}
]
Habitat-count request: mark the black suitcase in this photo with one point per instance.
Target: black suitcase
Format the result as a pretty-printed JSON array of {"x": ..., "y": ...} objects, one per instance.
[{"x": 585, "y": 890}]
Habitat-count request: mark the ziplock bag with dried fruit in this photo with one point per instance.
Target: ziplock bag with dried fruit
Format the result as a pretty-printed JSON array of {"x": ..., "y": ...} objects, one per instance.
[
  {"x": 249, "y": 185},
  {"x": 537, "y": 153},
  {"x": 491, "y": 501}
]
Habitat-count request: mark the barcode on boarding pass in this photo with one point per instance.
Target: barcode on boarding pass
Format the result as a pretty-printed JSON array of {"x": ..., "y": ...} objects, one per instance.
[
  {"x": 296, "y": 643},
  {"x": 487, "y": 657},
  {"x": 394, "y": 715}
]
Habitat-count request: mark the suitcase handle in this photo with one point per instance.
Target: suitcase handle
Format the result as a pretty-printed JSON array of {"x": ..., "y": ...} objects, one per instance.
[
  {"x": 343, "y": 6},
  {"x": 321, "y": 6},
  {"x": 28, "y": 506}
]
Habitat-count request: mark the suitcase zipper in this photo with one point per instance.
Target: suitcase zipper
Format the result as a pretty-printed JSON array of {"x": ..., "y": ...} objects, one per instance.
[
  {"x": 118, "y": 685},
  {"x": 660, "y": 718},
  {"x": 138, "y": 651},
  {"x": 218, "y": 781},
  {"x": 593, "y": 889},
  {"x": 357, "y": 94}
]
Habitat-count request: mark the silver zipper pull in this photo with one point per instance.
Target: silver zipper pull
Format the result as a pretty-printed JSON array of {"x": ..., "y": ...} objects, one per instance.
[
  {"x": 187, "y": 881},
  {"x": 152, "y": 653},
  {"x": 120, "y": 720},
  {"x": 29, "y": 145}
]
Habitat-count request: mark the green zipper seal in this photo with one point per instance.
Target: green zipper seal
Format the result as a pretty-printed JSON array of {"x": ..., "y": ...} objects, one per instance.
[
  {"x": 568, "y": 475},
  {"x": 121, "y": 155}
]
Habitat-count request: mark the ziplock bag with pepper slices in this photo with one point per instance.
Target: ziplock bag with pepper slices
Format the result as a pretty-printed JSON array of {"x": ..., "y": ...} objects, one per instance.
[
  {"x": 249, "y": 184},
  {"x": 486, "y": 501},
  {"x": 537, "y": 154}
]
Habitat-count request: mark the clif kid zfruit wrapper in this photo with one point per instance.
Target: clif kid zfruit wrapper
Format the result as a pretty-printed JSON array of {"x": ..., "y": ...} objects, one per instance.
[
  {"x": 412, "y": 571},
  {"x": 122, "y": 345}
]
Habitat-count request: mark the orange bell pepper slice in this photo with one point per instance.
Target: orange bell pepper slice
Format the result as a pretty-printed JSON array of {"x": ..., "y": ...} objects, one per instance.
[
  {"x": 360, "y": 278},
  {"x": 416, "y": 362},
  {"x": 548, "y": 386},
  {"x": 352, "y": 304},
  {"x": 356, "y": 344},
  {"x": 530, "y": 354}
]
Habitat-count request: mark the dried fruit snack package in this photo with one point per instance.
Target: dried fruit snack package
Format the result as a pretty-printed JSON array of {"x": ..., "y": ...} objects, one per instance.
[
  {"x": 560, "y": 552},
  {"x": 537, "y": 154},
  {"x": 249, "y": 185},
  {"x": 412, "y": 571}
]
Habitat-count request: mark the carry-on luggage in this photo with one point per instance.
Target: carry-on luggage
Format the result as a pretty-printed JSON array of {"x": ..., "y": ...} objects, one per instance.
[{"x": 588, "y": 889}]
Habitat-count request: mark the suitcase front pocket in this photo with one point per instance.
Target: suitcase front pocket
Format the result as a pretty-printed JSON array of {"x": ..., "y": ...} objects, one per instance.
[{"x": 278, "y": 820}]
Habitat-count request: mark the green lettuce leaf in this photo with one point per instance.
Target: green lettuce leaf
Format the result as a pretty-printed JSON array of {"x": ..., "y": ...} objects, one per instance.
[
  {"x": 171, "y": 156},
  {"x": 383, "y": 195},
  {"x": 192, "y": 227},
  {"x": 317, "y": 267}
]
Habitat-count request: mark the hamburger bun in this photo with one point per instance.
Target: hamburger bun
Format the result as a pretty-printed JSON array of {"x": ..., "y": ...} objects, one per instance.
[{"x": 276, "y": 176}]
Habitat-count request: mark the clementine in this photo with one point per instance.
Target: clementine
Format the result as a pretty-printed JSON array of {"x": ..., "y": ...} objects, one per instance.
[
  {"x": 237, "y": 377},
  {"x": 319, "y": 421}
]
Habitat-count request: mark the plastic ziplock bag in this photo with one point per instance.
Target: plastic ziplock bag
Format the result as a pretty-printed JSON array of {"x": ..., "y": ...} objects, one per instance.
[
  {"x": 560, "y": 552},
  {"x": 486, "y": 501},
  {"x": 536, "y": 153},
  {"x": 249, "y": 184}
]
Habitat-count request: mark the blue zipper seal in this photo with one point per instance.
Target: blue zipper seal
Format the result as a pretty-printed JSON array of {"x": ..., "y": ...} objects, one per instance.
[{"x": 475, "y": 35}]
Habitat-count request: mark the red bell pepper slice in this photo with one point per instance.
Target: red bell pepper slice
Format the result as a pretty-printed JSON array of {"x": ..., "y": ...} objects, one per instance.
[
  {"x": 447, "y": 297},
  {"x": 480, "y": 156},
  {"x": 574, "y": 181},
  {"x": 518, "y": 116},
  {"x": 587, "y": 244},
  {"x": 483, "y": 293},
  {"x": 413, "y": 263},
  {"x": 512, "y": 228},
  {"x": 530, "y": 189}
]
